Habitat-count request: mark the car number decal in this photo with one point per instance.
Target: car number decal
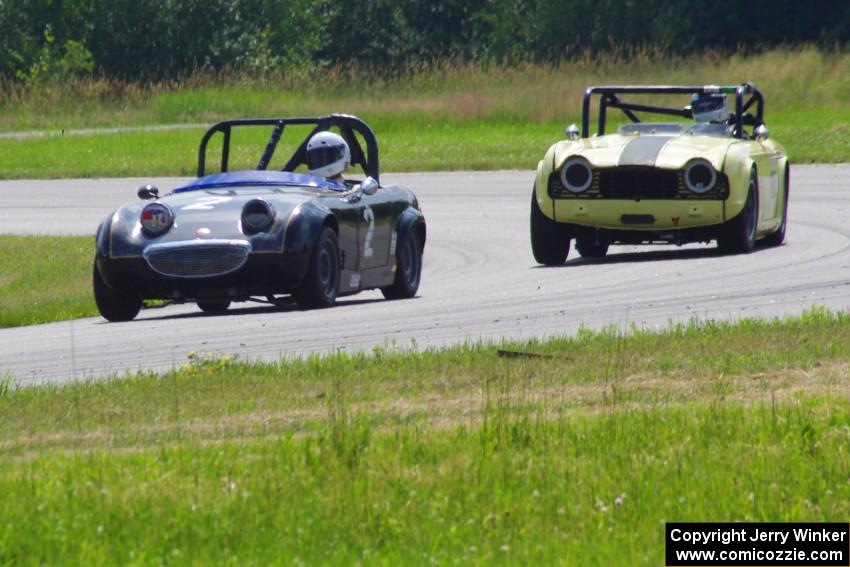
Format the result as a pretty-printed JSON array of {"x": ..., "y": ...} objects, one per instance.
[
  {"x": 206, "y": 203},
  {"x": 368, "y": 216}
]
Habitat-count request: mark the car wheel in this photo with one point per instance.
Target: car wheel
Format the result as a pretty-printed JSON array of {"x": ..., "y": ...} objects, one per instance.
[
  {"x": 408, "y": 270},
  {"x": 588, "y": 247},
  {"x": 778, "y": 237},
  {"x": 321, "y": 284},
  {"x": 549, "y": 241},
  {"x": 214, "y": 306},
  {"x": 114, "y": 305},
  {"x": 739, "y": 234}
]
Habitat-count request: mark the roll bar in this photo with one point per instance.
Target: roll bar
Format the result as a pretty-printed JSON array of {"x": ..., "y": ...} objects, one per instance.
[{"x": 609, "y": 98}]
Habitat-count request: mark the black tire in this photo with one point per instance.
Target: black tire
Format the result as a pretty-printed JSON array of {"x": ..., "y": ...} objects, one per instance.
[
  {"x": 778, "y": 237},
  {"x": 588, "y": 248},
  {"x": 321, "y": 284},
  {"x": 219, "y": 306},
  {"x": 738, "y": 236},
  {"x": 550, "y": 242},
  {"x": 114, "y": 305},
  {"x": 408, "y": 270}
]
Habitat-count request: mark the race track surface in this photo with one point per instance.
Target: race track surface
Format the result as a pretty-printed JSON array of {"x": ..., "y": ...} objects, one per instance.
[{"x": 480, "y": 282}]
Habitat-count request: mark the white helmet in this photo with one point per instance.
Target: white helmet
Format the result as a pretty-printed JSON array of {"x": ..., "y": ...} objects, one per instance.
[
  {"x": 328, "y": 154},
  {"x": 709, "y": 107}
]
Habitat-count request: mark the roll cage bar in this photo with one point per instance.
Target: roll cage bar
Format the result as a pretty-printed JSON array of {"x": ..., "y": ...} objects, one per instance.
[
  {"x": 609, "y": 98},
  {"x": 348, "y": 127}
]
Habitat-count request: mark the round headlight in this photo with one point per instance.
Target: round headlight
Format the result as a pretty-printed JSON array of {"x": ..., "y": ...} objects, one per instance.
[
  {"x": 156, "y": 218},
  {"x": 700, "y": 176},
  {"x": 257, "y": 216},
  {"x": 576, "y": 175}
]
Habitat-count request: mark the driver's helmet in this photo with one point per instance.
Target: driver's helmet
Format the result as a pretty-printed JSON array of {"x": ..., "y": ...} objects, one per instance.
[
  {"x": 709, "y": 107},
  {"x": 328, "y": 155}
]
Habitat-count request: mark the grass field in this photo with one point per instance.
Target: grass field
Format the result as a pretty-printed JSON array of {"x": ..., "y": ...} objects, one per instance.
[
  {"x": 457, "y": 456},
  {"x": 50, "y": 282},
  {"x": 447, "y": 116}
]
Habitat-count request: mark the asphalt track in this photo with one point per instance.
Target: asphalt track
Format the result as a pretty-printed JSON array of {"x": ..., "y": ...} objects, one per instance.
[{"x": 480, "y": 282}]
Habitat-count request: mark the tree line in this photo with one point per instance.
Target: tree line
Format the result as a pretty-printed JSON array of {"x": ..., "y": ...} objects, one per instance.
[{"x": 162, "y": 39}]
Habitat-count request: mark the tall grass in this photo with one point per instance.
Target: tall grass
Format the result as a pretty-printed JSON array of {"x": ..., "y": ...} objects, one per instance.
[
  {"x": 540, "y": 93},
  {"x": 455, "y": 456}
]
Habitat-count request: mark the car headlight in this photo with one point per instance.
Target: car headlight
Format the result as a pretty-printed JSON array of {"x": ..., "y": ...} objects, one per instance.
[
  {"x": 576, "y": 175},
  {"x": 156, "y": 219},
  {"x": 700, "y": 176},
  {"x": 257, "y": 216}
]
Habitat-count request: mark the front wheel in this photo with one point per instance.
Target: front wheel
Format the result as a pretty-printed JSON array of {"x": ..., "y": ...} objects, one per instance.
[
  {"x": 321, "y": 284},
  {"x": 114, "y": 305},
  {"x": 738, "y": 236},
  {"x": 550, "y": 243},
  {"x": 408, "y": 270}
]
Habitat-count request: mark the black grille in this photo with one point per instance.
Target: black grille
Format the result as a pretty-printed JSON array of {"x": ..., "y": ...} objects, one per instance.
[
  {"x": 197, "y": 261},
  {"x": 638, "y": 183}
]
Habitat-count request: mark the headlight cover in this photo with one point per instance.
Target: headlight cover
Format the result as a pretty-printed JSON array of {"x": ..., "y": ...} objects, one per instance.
[
  {"x": 257, "y": 216},
  {"x": 156, "y": 218},
  {"x": 576, "y": 175},
  {"x": 700, "y": 176}
]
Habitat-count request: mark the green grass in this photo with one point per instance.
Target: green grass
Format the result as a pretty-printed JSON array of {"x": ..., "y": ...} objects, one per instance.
[
  {"x": 45, "y": 279},
  {"x": 455, "y": 456},
  {"x": 443, "y": 117}
]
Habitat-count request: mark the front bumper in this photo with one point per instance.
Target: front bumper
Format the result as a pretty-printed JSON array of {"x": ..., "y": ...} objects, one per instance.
[
  {"x": 650, "y": 215},
  {"x": 261, "y": 274}
]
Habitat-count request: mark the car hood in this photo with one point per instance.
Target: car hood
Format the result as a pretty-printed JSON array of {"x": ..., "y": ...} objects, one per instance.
[
  {"x": 210, "y": 213},
  {"x": 664, "y": 151}
]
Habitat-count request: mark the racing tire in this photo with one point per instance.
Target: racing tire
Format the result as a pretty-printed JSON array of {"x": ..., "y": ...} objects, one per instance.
[
  {"x": 214, "y": 306},
  {"x": 408, "y": 272},
  {"x": 588, "y": 248},
  {"x": 778, "y": 237},
  {"x": 738, "y": 236},
  {"x": 550, "y": 242},
  {"x": 320, "y": 285},
  {"x": 114, "y": 306}
]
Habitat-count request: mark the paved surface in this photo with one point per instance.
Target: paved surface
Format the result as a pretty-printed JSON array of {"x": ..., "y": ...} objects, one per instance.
[{"x": 480, "y": 281}]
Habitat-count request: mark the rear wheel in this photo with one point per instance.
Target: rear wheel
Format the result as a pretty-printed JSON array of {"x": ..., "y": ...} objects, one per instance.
[
  {"x": 214, "y": 306},
  {"x": 550, "y": 242},
  {"x": 738, "y": 235},
  {"x": 778, "y": 237},
  {"x": 114, "y": 305},
  {"x": 321, "y": 284},
  {"x": 589, "y": 248},
  {"x": 408, "y": 270}
]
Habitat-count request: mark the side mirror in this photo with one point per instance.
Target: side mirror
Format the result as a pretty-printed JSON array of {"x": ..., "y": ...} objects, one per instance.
[
  {"x": 761, "y": 132},
  {"x": 572, "y": 132},
  {"x": 369, "y": 186},
  {"x": 148, "y": 192}
]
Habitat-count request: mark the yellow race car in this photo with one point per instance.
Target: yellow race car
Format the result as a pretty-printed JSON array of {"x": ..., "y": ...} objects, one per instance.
[{"x": 710, "y": 174}]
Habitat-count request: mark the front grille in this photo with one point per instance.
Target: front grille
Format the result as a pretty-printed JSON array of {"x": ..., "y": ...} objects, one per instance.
[
  {"x": 638, "y": 183},
  {"x": 197, "y": 260}
]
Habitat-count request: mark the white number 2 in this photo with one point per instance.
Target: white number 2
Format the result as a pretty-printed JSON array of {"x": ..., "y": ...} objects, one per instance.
[{"x": 369, "y": 217}]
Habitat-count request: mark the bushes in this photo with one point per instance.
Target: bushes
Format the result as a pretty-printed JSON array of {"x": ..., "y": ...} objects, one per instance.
[{"x": 139, "y": 39}]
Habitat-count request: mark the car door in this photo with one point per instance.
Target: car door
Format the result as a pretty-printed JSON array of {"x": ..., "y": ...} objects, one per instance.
[{"x": 376, "y": 226}]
